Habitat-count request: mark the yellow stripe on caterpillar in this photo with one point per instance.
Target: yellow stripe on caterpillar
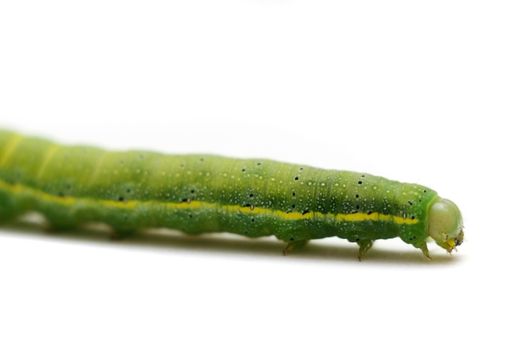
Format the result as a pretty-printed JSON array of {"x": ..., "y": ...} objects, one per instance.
[{"x": 231, "y": 208}]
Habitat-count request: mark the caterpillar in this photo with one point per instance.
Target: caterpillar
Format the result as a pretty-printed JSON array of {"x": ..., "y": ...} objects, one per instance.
[{"x": 135, "y": 190}]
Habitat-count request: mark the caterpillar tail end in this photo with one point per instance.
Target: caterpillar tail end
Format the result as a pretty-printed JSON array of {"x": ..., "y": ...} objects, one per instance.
[{"x": 445, "y": 224}]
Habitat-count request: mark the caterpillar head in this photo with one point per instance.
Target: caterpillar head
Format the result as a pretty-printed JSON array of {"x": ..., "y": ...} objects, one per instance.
[{"x": 445, "y": 224}]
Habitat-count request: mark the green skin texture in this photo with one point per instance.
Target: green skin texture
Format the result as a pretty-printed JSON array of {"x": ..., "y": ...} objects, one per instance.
[{"x": 83, "y": 172}]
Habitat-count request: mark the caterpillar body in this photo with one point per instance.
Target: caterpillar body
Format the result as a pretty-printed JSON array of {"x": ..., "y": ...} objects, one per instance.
[{"x": 134, "y": 190}]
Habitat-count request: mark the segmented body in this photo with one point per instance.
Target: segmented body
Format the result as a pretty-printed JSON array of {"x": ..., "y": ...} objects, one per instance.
[{"x": 73, "y": 185}]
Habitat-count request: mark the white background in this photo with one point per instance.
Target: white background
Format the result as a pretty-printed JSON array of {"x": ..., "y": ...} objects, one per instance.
[{"x": 419, "y": 91}]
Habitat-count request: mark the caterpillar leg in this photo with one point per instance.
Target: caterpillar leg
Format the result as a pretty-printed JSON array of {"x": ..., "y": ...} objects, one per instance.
[
  {"x": 8, "y": 211},
  {"x": 294, "y": 245},
  {"x": 119, "y": 234},
  {"x": 424, "y": 250},
  {"x": 57, "y": 223},
  {"x": 364, "y": 247},
  {"x": 56, "y": 226},
  {"x": 5, "y": 216}
]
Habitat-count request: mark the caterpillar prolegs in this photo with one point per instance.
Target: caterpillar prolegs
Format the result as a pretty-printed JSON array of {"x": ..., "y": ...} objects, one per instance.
[{"x": 134, "y": 190}]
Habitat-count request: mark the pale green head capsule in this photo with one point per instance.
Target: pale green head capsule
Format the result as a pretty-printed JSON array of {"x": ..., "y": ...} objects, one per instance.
[{"x": 445, "y": 224}]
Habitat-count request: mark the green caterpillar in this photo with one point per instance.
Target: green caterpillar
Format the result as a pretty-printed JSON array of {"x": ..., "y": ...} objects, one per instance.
[{"x": 134, "y": 190}]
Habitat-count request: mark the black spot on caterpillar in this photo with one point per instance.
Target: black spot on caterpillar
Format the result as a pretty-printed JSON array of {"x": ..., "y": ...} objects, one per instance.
[{"x": 133, "y": 190}]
